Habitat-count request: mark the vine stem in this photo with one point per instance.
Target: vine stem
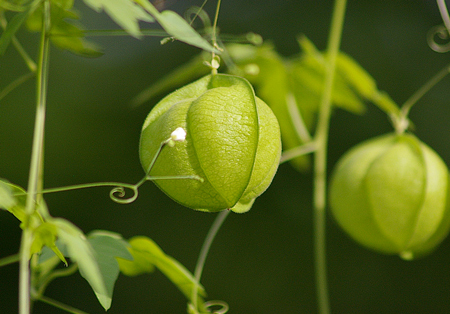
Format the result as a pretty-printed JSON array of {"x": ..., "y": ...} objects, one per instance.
[
  {"x": 9, "y": 260},
  {"x": 36, "y": 164},
  {"x": 214, "y": 39},
  {"x": 423, "y": 90},
  {"x": 444, "y": 13},
  {"x": 205, "y": 250},
  {"x": 320, "y": 160},
  {"x": 61, "y": 305}
]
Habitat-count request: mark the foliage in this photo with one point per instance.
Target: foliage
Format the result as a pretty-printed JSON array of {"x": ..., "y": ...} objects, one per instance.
[{"x": 213, "y": 145}]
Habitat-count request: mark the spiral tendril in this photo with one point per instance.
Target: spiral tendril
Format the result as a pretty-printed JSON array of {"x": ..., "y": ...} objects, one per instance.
[
  {"x": 224, "y": 306},
  {"x": 118, "y": 193},
  {"x": 197, "y": 12},
  {"x": 443, "y": 34}
]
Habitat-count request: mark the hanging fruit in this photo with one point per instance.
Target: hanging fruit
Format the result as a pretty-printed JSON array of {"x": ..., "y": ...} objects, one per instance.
[
  {"x": 232, "y": 143},
  {"x": 391, "y": 194}
]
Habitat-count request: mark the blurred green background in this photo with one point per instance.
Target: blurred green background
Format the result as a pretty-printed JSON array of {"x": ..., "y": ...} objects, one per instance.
[{"x": 261, "y": 261}]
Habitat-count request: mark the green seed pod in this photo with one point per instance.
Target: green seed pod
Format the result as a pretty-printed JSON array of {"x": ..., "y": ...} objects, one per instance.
[
  {"x": 232, "y": 143},
  {"x": 390, "y": 194}
]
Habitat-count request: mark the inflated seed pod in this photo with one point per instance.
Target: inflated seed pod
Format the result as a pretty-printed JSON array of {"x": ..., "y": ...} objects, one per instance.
[
  {"x": 390, "y": 194},
  {"x": 232, "y": 143}
]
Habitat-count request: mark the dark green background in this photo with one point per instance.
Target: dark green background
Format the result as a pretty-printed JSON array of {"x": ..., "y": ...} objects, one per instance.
[{"x": 261, "y": 261}]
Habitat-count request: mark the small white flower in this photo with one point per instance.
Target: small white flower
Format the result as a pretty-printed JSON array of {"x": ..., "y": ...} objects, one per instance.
[{"x": 178, "y": 135}]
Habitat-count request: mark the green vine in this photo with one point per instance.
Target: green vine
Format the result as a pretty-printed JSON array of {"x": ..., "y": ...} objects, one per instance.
[
  {"x": 36, "y": 167},
  {"x": 320, "y": 169}
]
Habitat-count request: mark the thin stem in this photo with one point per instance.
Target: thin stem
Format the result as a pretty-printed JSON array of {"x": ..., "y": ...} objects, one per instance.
[
  {"x": 216, "y": 17},
  {"x": 297, "y": 119},
  {"x": 113, "y": 32},
  {"x": 17, "y": 82},
  {"x": 52, "y": 276},
  {"x": 444, "y": 13},
  {"x": 61, "y": 305},
  {"x": 423, "y": 90},
  {"x": 320, "y": 161},
  {"x": 214, "y": 63},
  {"x": 198, "y": 12},
  {"x": 29, "y": 62},
  {"x": 36, "y": 163},
  {"x": 298, "y": 151},
  {"x": 9, "y": 260},
  {"x": 205, "y": 250}
]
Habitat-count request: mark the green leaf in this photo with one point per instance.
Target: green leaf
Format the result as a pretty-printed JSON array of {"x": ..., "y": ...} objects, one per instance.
[
  {"x": 7, "y": 200},
  {"x": 185, "y": 73},
  {"x": 65, "y": 4},
  {"x": 309, "y": 71},
  {"x": 356, "y": 76},
  {"x": 46, "y": 234},
  {"x": 18, "y": 5},
  {"x": 14, "y": 25},
  {"x": 177, "y": 27},
  {"x": 147, "y": 255},
  {"x": 108, "y": 247},
  {"x": 18, "y": 204},
  {"x": 64, "y": 34},
  {"x": 125, "y": 13},
  {"x": 267, "y": 70},
  {"x": 80, "y": 251}
]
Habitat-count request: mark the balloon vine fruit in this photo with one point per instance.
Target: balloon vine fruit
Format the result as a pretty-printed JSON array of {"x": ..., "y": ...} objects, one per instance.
[
  {"x": 391, "y": 194},
  {"x": 232, "y": 143}
]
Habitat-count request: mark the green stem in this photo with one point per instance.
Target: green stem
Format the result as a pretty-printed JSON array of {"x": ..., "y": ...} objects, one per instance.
[
  {"x": 17, "y": 82},
  {"x": 9, "y": 260},
  {"x": 214, "y": 40},
  {"x": 320, "y": 161},
  {"x": 52, "y": 276},
  {"x": 216, "y": 18},
  {"x": 444, "y": 13},
  {"x": 298, "y": 151},
  {"x": 114, "y": 32},
  {"x": 29, "y": 62},
  {"x": 61, "y": 305},
  {"x": 423, "y": 90},
  {"x": 205, "y": 250},
  {"x": 297, "y": 119},
  {"x": 36, "y": 163}
]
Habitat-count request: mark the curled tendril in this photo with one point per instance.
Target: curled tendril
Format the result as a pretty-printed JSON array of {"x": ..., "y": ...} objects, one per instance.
[
  {"x": 197, "y": 12},
  {"x": 443, "y": 34},
  {"x": 224, "y": 306},
  {"x": 117, "y": 194}
]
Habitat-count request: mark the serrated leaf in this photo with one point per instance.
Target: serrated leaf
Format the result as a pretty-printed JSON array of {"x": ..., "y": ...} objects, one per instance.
[
  {"x": 125, "y": 13},
  {"x": 80, "y": 251},
  {"x": 14, "y": 25},
  {"x": 147, "y": 255},
  {"x": 177, "y": 27},
  {"x": 108, "y": 247},
  {"x": 46, "y": 234}
]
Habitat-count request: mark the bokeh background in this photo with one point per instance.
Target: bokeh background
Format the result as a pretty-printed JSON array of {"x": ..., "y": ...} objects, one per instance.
[{"x": 261, "y": 261}]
